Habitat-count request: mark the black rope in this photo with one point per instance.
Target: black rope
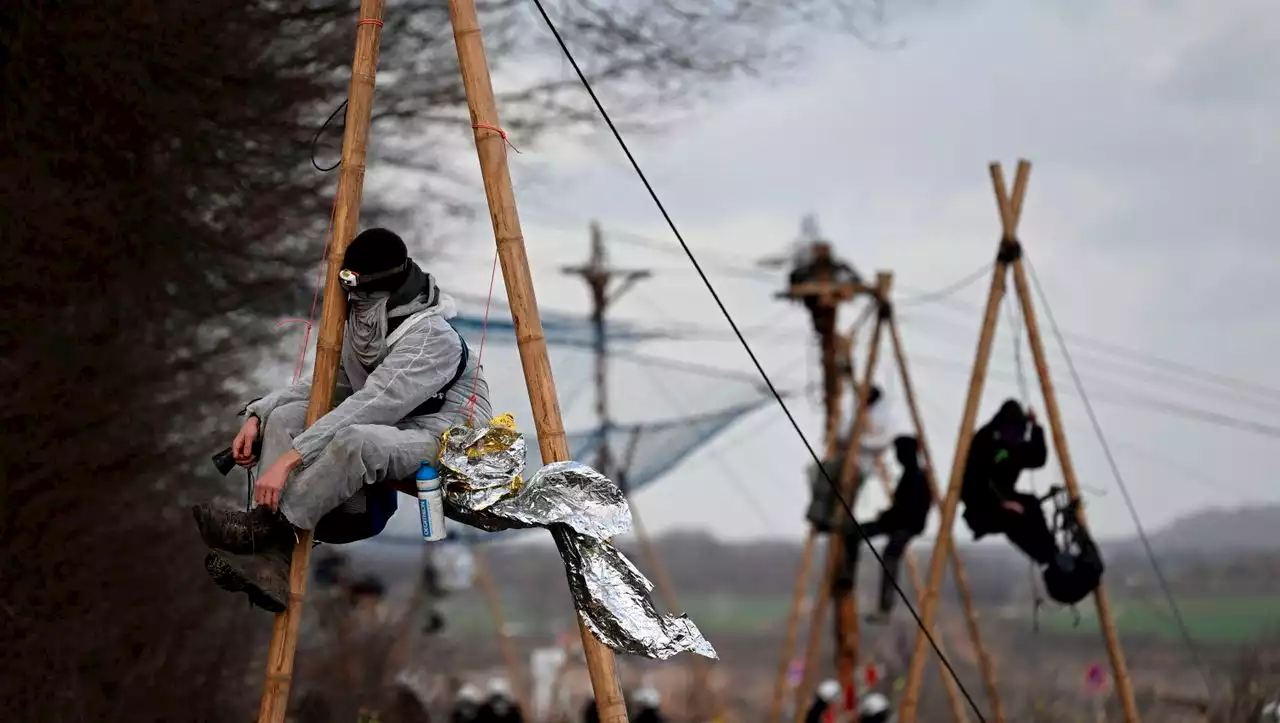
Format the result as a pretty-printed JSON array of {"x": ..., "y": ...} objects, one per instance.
[
  {"x": 1124, "y": 489},
  {"x": 315, "y": 140},
  {"x": 604, "y": 114}
]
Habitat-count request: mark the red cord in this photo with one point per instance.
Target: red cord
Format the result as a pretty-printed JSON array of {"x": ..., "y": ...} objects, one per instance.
[
  {"x": 499, "y": 131},
  {"x": 484, "y": 329},
  {"x": 370, "y": 21}
]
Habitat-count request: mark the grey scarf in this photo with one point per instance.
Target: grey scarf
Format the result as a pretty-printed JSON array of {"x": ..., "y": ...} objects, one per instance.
[
  {"x": 367, "y": 325},
  {"x": 368, "y": 312}
]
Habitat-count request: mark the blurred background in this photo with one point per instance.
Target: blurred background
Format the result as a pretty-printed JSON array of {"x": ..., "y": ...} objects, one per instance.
[{"x": 167, "y": 181}]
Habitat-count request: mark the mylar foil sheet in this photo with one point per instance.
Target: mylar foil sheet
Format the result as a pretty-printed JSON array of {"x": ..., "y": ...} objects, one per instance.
[{"x": 481, "y": 469}]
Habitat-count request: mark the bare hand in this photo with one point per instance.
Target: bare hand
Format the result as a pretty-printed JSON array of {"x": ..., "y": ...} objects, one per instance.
[
  {"x": 268, "y": 488},
  {"x": 1014, "y": 507},
  {"x": 242, "y": 447}
]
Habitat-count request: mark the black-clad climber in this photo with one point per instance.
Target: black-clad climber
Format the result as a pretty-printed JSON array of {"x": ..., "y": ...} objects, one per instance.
[
  {"x": 1005, "y": 446},
  {"x": 903, "y": 520}
]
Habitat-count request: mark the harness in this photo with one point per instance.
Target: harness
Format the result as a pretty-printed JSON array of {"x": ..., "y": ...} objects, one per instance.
[
  {"x": 435, "y": 403},
  {"x": 1076, "y": 571}
]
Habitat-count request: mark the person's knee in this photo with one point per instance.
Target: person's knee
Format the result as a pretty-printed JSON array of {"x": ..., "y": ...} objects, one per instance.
[{"x": 354, "y": 442}]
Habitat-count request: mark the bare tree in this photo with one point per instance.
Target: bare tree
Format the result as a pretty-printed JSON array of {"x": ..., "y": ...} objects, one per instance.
[{"x": 158, "y": 211}]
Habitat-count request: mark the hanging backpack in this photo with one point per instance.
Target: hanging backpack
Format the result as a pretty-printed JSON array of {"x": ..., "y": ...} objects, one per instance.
[{"x": 1076, "y": 571}]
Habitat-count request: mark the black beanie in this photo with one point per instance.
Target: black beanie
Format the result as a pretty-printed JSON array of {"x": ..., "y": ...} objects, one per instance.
[{"x": 376, "y": 250}]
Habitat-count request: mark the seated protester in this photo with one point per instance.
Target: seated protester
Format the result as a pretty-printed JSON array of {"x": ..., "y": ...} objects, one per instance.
[
  {"x": 1010, "y": 443},
  {"x": 904, "y": 520},
  {"x": 405, "y": 377},
  {"x": 824, "y": 705},
  {"x": 826, "y": 513}
]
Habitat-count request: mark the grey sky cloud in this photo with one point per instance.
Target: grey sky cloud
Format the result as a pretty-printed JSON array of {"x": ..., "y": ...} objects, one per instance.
[{"x": 1150, "y": 219}]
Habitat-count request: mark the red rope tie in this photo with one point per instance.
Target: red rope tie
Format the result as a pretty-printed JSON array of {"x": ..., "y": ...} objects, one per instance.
[
  {"x": 370, "y": 21},
  {"x": 499, "y": 131}
]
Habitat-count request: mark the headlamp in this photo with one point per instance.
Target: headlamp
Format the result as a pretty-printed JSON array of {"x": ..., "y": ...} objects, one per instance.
[{"x": 353, "y": 280}]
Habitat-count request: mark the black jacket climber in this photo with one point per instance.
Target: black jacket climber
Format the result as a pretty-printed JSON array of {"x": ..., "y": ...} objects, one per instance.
[
  {"x": 912, "y": 498},
  {"x": 1000, "y": 451}
]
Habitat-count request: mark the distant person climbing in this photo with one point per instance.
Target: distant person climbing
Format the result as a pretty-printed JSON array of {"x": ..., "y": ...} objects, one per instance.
[
  {"x": 822, "y": 265},
  {"x": 405, "y": 377},
  {"x": 466, "y": 705},
  {"x": 823, "y": 708},
  {"x": 648, "y": 705},
  {"x": 1005, "y": 446},
  {"x": 826, "y": 512},
  {"x": 499, "y": 706},
  {"x": 904, "y": 520}
]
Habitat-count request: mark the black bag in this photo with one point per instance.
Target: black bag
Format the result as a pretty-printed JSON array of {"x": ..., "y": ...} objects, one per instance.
[{"x": 1076, "y": 571}]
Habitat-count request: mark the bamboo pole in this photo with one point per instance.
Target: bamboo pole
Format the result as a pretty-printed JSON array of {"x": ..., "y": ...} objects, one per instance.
[
  {"x": 949, "y": 682},
  {"x": 817, "y": 614},
  {"x": 1124, "y": 685},
  {"x": 846, "y": 627},
  {"x": 832, "y": 388},
  {"x": 1010, "y": 211},
  {"x": 346, "y": 216},
  {"x": 510, "y": 656},
  {"x": 846, "y": 620},
  {"x": 957, "y": 565},
  {"x": 793, "y": 626},
  {"x": 491, "y": 148}
]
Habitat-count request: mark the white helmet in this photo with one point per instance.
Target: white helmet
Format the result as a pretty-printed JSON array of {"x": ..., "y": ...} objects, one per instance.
[
  {"x": 468, "y": 694},
  {"x": 828, "y": 690},
  {"x": 499, "y": 688},
  {"x": 873, "y": 704},
  {"x": 647, "y": 697}
]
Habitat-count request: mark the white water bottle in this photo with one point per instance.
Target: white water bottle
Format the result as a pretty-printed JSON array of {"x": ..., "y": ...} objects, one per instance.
[{"x": 430, "y": 503}]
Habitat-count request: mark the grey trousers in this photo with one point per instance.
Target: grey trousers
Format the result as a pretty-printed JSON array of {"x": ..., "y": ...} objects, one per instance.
[{"x": 359, "y": 455}]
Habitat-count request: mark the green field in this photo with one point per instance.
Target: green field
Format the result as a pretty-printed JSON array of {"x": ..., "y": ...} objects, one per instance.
[{"x": 1211, "y": 620}]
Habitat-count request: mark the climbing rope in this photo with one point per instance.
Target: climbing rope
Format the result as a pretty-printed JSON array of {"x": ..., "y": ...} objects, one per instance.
[{"x": 1185, "y": 632}]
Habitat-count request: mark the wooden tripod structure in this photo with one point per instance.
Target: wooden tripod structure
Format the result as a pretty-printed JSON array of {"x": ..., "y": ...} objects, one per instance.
[
  {"x": 491, "y": 147},
  {"x": 847, "y": 627},
  {"x": 828, "y": 294},
  {"x": 1008, "y": 257}
]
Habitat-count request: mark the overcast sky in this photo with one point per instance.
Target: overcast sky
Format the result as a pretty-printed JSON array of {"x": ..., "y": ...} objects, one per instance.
[{"x": 1151, "y": 127}]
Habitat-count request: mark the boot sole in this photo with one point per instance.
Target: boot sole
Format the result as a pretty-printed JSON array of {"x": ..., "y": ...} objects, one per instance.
[{"x": 231, "y": 576}]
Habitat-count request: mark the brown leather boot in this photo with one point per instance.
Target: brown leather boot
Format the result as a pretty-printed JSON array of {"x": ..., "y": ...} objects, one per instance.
[
  {"x": 264, "y": 577},
  {"x": 240, "y": 532}
]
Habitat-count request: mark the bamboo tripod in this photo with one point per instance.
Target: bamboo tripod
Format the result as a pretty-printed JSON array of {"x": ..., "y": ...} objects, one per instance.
[
  {"x": 829, "y": 295},
  {"x": 491, "y": 150},
  {"x": 886, "y": 319},
  {"x": 1008, "y": 256}
]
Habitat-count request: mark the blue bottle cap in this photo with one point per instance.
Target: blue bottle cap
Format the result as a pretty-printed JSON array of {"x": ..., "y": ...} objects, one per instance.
[{"x": 427, "y": 472}]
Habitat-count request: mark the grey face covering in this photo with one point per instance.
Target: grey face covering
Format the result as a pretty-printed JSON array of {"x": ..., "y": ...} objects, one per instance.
[{"x": 367, "y": 325}]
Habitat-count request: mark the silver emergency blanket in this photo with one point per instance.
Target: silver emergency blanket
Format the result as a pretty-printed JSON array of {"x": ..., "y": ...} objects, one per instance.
[{"x": 481, "y": 469}]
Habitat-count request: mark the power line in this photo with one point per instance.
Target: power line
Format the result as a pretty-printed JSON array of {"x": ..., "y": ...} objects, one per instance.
[
  {"x": 948, "y": 290},
  {"x": 1115, "y": 471},
  {"x": 942, "y": 658}
]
